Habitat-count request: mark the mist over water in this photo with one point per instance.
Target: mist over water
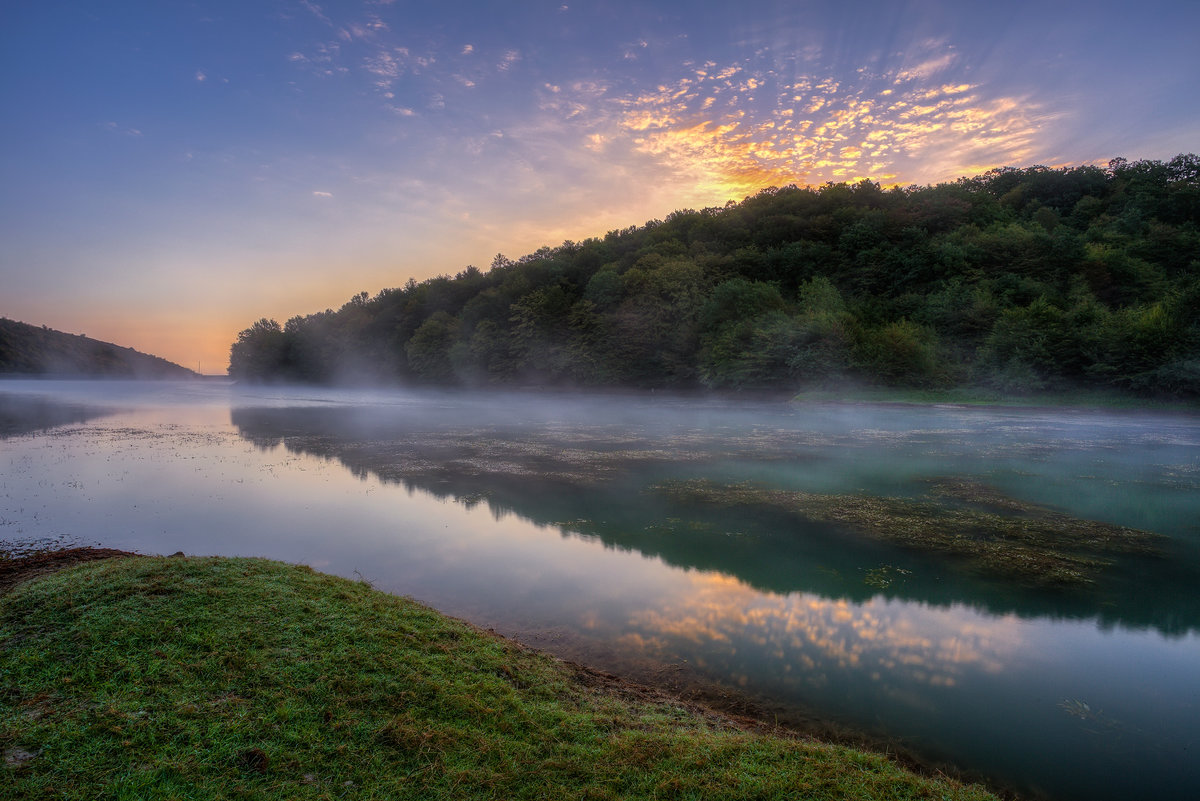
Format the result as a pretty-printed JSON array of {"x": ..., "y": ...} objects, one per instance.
[{"x": 658, "y": 537}]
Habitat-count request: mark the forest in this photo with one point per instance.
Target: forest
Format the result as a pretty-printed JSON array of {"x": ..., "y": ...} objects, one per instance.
[
  {"x": 37, "y": 350},
  {"x": 1019, "y": 281}
]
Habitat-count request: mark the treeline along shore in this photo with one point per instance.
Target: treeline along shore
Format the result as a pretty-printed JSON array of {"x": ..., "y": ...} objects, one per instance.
[{"x": 1018, "y": 281}]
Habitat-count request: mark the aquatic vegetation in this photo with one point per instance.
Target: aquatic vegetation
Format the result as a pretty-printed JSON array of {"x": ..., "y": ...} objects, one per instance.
[
  {"x": 961, "y": 520},
  {"x": 1097, "y": 721},
  {"x": 884, "y": 576},
  {"x": 1056, "y": 527},
  {"x": 677, "y": 525}
]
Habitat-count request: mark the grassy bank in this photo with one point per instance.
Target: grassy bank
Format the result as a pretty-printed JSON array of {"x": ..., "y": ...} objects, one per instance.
[{"x": 233, "y": 678}]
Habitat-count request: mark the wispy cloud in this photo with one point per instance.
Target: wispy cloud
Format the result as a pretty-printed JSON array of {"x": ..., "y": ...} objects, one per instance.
[
  {"x": 509, "y": 58},
  {"x": 316, "y": 11},
  {"x": 119, "y": 129},
  {"x": 321, "y": 59},
  {"x": 926, "y": 68},
  {"x": 370, "y": 48},
  {"x": 386, "y": 65}
]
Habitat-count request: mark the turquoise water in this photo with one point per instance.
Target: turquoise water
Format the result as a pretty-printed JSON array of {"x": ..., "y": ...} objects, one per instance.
[{"x": 539, "y": 516}]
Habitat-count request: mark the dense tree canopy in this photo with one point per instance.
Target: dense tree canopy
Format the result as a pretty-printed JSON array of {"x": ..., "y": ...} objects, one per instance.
[
  {"x": 37, "y": 350},
  {"x": 1017, "y": 279}
]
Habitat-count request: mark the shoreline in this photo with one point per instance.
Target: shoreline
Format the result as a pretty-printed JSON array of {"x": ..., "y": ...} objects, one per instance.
[
  {"x": 720, "y": 705},
  {"x": 1084, "y": 400}
]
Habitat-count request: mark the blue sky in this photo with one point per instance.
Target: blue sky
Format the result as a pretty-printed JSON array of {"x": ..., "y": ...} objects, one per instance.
[{"x": 172, "y": 171}]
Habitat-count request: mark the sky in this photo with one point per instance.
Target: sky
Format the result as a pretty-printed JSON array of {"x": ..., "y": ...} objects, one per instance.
[{"x": 172, "y": 171}]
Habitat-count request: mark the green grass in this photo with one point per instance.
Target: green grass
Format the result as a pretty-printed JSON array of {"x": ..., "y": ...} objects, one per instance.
[{"x": 233, "y": 678}]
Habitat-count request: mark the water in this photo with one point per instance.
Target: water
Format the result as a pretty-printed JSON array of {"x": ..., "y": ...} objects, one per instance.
[{"x": 560, "y": 521}]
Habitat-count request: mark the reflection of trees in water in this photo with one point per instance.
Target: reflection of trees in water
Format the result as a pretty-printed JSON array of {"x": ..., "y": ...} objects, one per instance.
[
  {"x": 596, "y": 481},
  {"x": 21, "y": 414}
]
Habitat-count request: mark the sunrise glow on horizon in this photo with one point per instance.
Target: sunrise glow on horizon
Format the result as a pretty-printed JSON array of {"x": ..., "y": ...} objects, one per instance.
[{"x": 173, "y": 172}]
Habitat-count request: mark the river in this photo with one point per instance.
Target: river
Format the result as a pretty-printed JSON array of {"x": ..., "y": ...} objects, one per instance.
[{"x": 1010, "y": 591}]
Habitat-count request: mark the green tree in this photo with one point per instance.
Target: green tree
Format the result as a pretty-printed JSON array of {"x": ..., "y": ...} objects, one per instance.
[
  {"x": 485, "y": 356},
  {"x": 656, "y": 327},
  {"x": 818, "y": 337},
  {"x": 542, "y": 333},
  {"x": 429, "y": 349},
  {"x": 901, "y": 353},
  {"x": 740, "y": 324},
  {"x": 260, "y": 352}
]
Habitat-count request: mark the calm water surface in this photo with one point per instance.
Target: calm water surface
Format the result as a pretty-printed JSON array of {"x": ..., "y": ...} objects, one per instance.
[{"x": 545, "y": 519}]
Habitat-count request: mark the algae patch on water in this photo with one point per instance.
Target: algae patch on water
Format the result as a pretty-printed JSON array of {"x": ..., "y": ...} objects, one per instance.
[{"x": 966, "y": 521}]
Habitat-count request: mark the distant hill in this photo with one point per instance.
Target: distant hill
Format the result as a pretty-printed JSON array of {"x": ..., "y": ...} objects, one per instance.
[
  {"x": 37, "y": 350},
  {"x": 1020, "y": 280}
]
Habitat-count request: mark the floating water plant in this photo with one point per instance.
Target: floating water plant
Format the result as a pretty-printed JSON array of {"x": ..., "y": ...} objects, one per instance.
[
  {"x": 1097, "y": 722},
  {"x": 967, "y": 521},
  {"x": 884, "y": 576}
]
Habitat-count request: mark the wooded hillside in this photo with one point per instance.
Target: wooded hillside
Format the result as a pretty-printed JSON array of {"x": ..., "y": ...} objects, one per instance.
[
  {"x": 1020, "y": 280},
  {"x": 30, "y": 349}
]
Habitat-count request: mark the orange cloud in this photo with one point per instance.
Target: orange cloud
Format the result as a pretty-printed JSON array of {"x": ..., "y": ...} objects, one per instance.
[
  {"x": 878, "y": 127},
  {"x": 879, "y": 637}
]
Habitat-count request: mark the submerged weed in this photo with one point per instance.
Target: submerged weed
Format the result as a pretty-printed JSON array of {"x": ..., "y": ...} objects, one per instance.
[
  {"x": 1095, "y": 719},
  {"x": 883, "y": 577},
  {"x": 968, "y": 521}
]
